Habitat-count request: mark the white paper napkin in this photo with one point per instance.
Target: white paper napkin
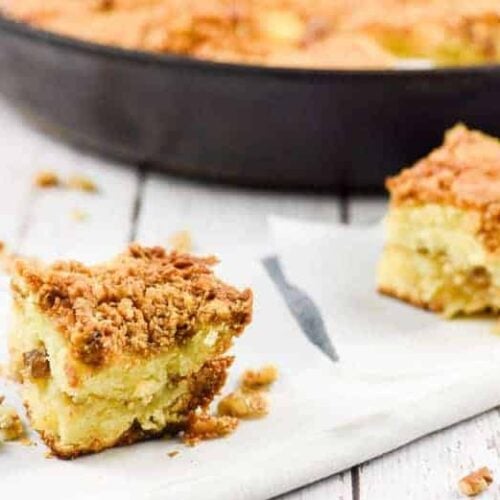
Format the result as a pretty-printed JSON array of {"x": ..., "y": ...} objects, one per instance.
[{"x": 403, "y": 373}]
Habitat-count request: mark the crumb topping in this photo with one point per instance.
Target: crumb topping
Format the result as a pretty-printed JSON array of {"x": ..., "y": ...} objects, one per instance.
[
  {"x": 144, "y": 301},
  {"x": 261, "y": 378},
  {"x": 47, "y": 179},
  {"x": 476, "y": 482},
  {"x": 242, "y": 404},
  {"x": 202, "y": 426},
  {"x": 464, "y": 172}
]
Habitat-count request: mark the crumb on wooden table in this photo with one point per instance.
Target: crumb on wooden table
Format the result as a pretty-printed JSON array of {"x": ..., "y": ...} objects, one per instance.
[
  {"x": 82, "y": 183},
  {"x": 261, "y": 378},
  {"x": 181, "y": 241},
  {"x": 202, "y": 426},
  {"x": 476, "y": 482},
  {"x": 11, "y": 427},
  {"x": 173, "y": 453},
  {"x": 47, "y": 179},
  {"x": 243, "y": 404}
]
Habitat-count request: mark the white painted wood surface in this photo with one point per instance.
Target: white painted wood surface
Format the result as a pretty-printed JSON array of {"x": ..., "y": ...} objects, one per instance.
[{"x": 150, "y": 208}]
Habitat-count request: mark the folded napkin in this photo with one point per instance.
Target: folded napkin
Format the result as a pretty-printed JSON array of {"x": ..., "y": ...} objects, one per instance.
[{"x": 401, "y": 373}]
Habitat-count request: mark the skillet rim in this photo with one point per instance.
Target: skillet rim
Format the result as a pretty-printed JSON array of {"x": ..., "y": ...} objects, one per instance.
[{"x": 170, "y": 60}]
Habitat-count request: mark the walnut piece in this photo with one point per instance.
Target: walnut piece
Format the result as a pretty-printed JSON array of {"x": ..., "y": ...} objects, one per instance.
[
  {"x": 259, "y": 379},
  {"x": 37, "y": 363},
  {"x": 242, "y": 404},
  {"x": 476, "y": 482},
  {"x": 11, "y": 427},
  {"x": 47, "y": 179},
  {"x": 202, "y": 426},
  {"x": 82, "y": 183}
]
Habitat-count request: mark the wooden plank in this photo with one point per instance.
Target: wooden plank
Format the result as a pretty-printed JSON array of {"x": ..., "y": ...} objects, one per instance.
[
  {"x": 42, "y": 222},
  {"x": 221, "y": 217},
  {"x": 338, "y": 487},
  {"x": 430, "y": 468}
]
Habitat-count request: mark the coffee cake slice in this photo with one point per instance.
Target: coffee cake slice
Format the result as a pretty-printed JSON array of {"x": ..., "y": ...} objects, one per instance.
[
  {"x": 116, "y": 353},
  {"x": 443, "y": 228}
]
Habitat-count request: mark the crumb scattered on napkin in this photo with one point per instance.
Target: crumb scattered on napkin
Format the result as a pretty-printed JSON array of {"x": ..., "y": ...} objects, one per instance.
[
  {"x": 243, "y": 405},
  {"x": 476, "y": 482},
  {"x": 202, "y": 426},
  {"x": 259, "y": 379}
]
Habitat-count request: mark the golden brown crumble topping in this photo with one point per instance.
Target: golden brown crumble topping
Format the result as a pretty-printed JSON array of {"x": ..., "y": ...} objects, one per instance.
[
  {"x": 46, "y": 179},
  {"x": 240, "y": 404},
  {"x": 202, "y": 426},
  {"x": 463, "y": 172},
  {"x": 476, "y": 482},
  {"x": 144, "y": 301},
  {"x": 261, "y": 378}
]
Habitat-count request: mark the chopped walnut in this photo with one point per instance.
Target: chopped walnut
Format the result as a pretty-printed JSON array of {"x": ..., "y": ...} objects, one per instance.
[
  {"x": 47, "y": 179},
  {"x": 476, "y": 482},
  {"x": 181, "y": 241},
  {"x": 202, "y": 426},
  {"x": 259, "y": 379},
  {"x": 243, "y": 405},
  {"x": 11, "y": 427},
  {"x": 82, "y": 183},
  {"x": 37, "y": 363}
]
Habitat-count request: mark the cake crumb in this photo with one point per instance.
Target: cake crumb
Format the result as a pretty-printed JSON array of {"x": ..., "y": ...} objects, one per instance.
[
  {"x": 173, "y": 453},
  {"x": 48, "y": 455},
  {"x": 476, "y": 482},
  {"x": 79, "y": 215},
  {"x": 47, "y": 179},
  {"x": 82, "y": 183},
  {"x": 11, "y": 427},
  {"x": 202, "y": 426},
  {"x": 259, "y": 379},
  {"x": 181, "y": 241},
  {"x": 242, "y": 404},
  {"x": 26, "y": 441}
]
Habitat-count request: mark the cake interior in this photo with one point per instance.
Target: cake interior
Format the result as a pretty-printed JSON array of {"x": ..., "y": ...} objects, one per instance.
[
  {"x": 434, "y": 258},
  {"x": 78, "y": 408}
]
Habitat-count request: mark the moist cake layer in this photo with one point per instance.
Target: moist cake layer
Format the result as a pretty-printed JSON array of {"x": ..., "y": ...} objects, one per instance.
[
  {"x": 115, "y": 353},
  {"x": 443, "y": 228}
]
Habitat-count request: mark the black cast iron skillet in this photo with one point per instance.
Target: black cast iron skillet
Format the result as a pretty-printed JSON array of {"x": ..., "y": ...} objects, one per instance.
[{"x": 326, "y": 129}]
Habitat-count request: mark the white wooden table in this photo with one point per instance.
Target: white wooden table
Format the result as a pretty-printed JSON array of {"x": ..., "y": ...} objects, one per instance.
[{"x": 148, "y": 207}]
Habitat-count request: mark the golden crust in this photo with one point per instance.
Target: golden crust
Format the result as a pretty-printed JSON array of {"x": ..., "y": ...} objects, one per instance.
[
  {"x": 204, "y": 386},
  {"x": 463, "y": 172},
  {"x": 143, "y": 302},
  {"x": 433, "y": 306}
]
